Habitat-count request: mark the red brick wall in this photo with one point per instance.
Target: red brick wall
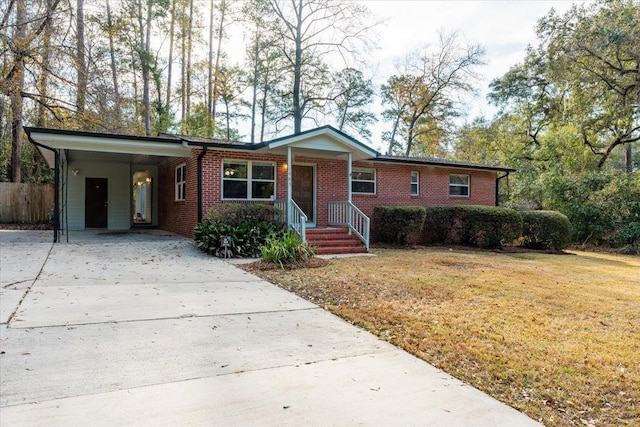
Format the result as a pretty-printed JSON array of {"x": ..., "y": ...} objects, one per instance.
[
  {"x": 393, "y": 185},
  {"x": 178, "y": 216}
]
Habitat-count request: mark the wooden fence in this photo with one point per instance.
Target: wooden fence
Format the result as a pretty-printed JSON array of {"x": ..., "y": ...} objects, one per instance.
[{"x": 25, "y": 203}]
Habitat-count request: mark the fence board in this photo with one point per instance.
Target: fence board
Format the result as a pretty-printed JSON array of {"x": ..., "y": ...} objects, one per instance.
[{"x": 25, "y": 203}]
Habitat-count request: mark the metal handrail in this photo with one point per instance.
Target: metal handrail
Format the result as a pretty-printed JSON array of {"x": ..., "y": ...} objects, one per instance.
[{"x": 346, "y": 213}]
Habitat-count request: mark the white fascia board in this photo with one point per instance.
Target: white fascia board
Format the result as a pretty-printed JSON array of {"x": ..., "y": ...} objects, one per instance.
[
  {"x": 320, "y": 138},
  {"x": 111, "y": 145}
]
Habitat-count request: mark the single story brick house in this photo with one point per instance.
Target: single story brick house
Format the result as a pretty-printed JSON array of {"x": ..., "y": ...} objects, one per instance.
[{"x": 321, "y": 178}]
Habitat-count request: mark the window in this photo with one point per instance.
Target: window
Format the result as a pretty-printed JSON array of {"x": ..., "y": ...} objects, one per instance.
[
  {"x": 363, "y": 181},
  {"x": 181, "y": 181},
  {"x": 248, "y": 180},
  {"x": 415, "y": 186},
  {"x": 459, "y": 185}
]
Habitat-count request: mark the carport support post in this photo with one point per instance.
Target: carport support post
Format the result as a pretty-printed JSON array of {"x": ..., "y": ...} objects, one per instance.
[
  {"x": 289, "y": 186},
  {"x": 56, "y": 196}
]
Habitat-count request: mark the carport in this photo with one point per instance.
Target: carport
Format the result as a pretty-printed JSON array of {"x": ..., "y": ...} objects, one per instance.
[{"x": 104, "y": 181}]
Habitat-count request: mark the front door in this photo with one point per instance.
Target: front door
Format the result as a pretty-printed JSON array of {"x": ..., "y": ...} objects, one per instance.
[
  {"x": 303, "y": 189},
  {"x": 95, "y": 203}
]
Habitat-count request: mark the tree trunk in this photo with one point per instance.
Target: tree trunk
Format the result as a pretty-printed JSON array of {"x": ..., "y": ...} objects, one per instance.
[
  {"x": 254, "y": 92},
  {"x": 170, "y": 63},
  {"x": 263, "y": 105},
  {"x": 223, "y": 10},
  {"x": 183, "y": 78},
  {"x": 210, "y": 72},
  {"x": 392, "y": 140},
  {"x": 81, "y": 65},
  {"x": 15, "y": 93},
  {"x": 189, "y": 51},
  {"x": 43, "y": 81},
  {"x": 114, "y": 71},
  {"x": 145, "y": 36},
  {"x": 297, "y": 71}
]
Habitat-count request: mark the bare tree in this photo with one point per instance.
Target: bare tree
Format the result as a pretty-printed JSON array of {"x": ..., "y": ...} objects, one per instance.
[
  {"x": 423, "y": 96},
  {"x": 309, "y": 31},
  {"x": 26, "y": 29}
]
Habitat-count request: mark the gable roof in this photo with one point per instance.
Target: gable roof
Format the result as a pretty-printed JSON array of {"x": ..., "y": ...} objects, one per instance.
[{"x": 325, "y": 138}]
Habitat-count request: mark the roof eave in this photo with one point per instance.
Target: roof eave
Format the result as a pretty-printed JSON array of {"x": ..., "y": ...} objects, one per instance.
[{"x": 442, "y": 164}]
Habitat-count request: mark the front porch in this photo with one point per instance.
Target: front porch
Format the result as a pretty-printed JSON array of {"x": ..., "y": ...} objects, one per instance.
[
  {"x": 319, "y": 165},
  {"x": 348, "y": 229}
]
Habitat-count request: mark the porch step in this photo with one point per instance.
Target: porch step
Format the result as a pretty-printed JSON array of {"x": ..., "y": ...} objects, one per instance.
[{"x": 334, "y": 240}]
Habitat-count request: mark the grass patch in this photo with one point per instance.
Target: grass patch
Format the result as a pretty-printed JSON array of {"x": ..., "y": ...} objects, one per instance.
[{"x": 556, "y": 337}]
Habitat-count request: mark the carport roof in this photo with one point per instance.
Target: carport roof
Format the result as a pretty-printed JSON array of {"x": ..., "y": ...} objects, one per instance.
[{"x": 47, "y": 140}]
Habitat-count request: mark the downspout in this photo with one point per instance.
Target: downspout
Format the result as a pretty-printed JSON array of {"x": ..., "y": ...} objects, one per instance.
[
  {"x": 56, "y": 186},
  {"x": 506, "y": 175},
  {"x": 200, "y": 157}
]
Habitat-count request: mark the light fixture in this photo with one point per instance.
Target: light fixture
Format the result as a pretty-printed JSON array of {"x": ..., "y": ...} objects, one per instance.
[
  {"x": 75, "y": 172},
  {"x": 148, "y": 180},
  {"x": 285, "y": 167}
]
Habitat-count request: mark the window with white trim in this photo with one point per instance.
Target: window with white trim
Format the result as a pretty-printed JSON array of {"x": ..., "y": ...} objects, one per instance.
[
  {"x": 415, "y": 183},
  {"x": 363, "y": 181},
  {"x": 181, "y": 182},
  {"x": 459, "y": 185},
  {"x": 248, "y": 180}
]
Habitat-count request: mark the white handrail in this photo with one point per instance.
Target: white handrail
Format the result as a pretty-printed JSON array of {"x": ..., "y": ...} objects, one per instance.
[
  {"x": 346, "y": 213},
  {"x": 297, "y": 220}
]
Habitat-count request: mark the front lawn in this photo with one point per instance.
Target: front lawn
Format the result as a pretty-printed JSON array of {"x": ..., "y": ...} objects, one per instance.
[{"x": 555, "y": 336}]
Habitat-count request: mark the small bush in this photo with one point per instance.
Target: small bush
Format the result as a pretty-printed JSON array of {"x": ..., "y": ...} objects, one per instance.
[
  {"x": 288, "y": 248},
  {"x": 235, "y": 213},
  {"x": 481, "y": 226},
  {"x": 627, "y": 237},
  {"x": 545, "y": 230},
  {"x": 248, "y": 227},
  {"x": 392, "y": 224}
]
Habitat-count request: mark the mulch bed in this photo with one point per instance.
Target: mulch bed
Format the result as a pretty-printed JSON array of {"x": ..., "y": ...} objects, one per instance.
[{"x": 267, "y": 266}]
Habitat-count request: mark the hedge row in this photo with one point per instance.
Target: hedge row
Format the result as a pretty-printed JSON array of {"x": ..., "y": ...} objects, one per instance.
[
  {"x": 393, "y": 224},
  {"x": 545, "y": 230},
  {"x": 481, "y": 226}
]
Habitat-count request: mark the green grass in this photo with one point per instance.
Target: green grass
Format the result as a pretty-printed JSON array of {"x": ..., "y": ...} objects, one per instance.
[{"x": 556, "y": 336}]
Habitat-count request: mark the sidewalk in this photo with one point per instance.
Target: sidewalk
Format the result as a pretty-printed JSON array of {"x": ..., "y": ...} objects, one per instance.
[{"x": 133, "y": 330}]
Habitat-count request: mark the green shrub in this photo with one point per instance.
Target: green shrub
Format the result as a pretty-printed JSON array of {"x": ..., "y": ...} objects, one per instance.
[
  {"x": 599, "y": 205},
  {"x": 392, "y": 224},
  {"x": 248, "y": 227},
  {"x": 481, "y": 226},
  {"x": 288, "y": 248},
  {"x": 628, "y": 234},
  {"x": 545, "y": 230},
  {"x": 235, "y": 213}
]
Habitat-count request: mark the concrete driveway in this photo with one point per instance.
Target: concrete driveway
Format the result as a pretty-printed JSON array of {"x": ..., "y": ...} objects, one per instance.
[{"x": 142, "y": 329}]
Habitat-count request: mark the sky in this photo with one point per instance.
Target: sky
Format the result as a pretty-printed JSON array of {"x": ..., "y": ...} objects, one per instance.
[{"x": 504, "y": 28}]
